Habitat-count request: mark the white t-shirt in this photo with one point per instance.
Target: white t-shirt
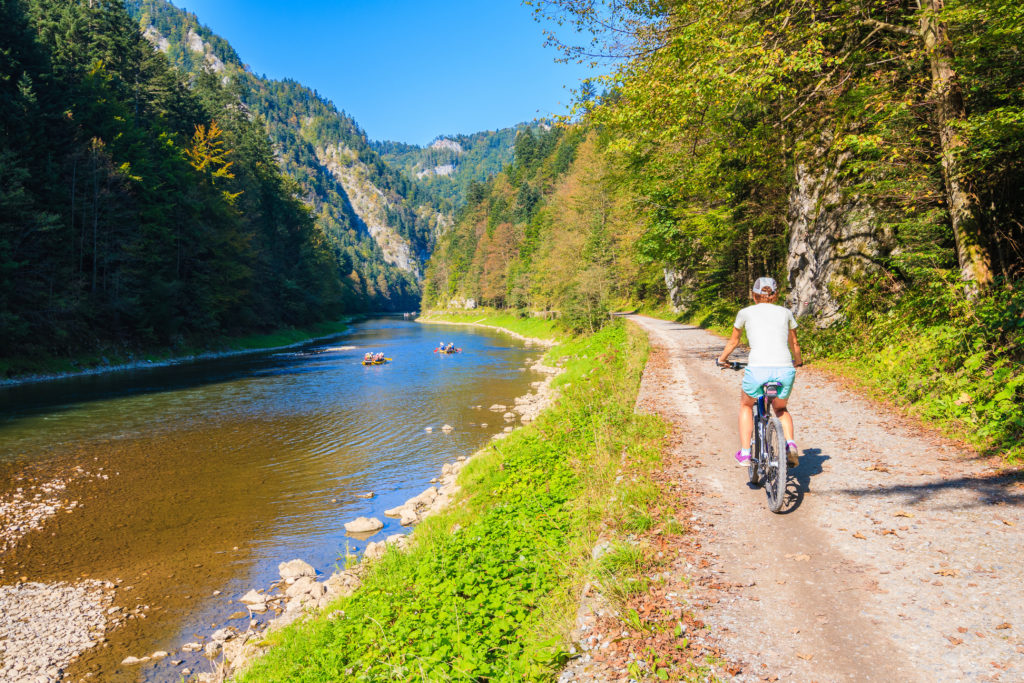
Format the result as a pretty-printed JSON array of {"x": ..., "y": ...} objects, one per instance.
[{"x": 768, "y": 329}]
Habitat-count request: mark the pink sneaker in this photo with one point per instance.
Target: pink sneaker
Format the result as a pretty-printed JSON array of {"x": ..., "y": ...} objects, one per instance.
[
  {"x": 792, "y": 454},
  {"x": 742, "y": 460}
]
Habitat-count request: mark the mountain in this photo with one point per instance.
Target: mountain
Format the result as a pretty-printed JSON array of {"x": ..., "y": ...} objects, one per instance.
[
  {"x": 449, "y": 166},
  {"x": 378, "y": 219}
]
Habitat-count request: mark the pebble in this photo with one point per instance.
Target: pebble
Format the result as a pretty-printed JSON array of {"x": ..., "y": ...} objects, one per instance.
[{"x": 64, "y": 619}]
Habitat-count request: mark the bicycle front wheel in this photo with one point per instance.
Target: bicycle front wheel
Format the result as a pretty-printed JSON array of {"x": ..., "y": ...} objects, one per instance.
[{"x": 775, "y": 464}]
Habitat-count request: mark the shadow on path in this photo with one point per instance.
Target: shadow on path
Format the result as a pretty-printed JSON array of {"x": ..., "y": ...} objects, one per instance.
[
  {"x": 798, "y": 482},
  {"x": 1001, "y": 488}
]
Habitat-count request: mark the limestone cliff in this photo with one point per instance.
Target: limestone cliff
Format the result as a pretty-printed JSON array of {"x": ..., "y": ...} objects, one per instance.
[
  {"x": 370, "y": 204},
  {"x": 834, "y": 238}
]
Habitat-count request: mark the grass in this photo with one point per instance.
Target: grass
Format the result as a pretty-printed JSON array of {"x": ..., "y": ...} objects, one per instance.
[
  {"x": 487, "y": 590},
  {"x": 518, "y": 322}
]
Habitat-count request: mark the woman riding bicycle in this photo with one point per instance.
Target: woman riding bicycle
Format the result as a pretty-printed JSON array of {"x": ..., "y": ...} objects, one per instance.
[{"x": 771, "y": 333}]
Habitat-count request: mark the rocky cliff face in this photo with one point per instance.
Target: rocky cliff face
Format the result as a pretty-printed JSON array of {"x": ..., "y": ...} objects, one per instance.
[
  {"x": 370, "y": 204},
  {"x": 833, "y": 239}
]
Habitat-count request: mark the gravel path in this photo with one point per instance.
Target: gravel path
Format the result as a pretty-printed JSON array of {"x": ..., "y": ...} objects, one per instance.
[{"x": 897, "y": 557}]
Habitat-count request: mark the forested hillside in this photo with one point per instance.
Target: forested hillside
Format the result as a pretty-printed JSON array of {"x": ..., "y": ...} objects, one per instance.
[
  {"x": 868, "y": 156},
  {"x": 137, "y": 210},
  {"x": 380, "y": 222},
  {"x": 451, "y": 164}
]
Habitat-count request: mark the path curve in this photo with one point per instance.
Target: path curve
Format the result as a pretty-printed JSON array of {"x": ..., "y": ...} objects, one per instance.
[{"x": 898, "y": 557}]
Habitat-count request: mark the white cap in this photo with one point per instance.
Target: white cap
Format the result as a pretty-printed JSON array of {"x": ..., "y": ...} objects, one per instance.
[{"x": 762, "y": 282}]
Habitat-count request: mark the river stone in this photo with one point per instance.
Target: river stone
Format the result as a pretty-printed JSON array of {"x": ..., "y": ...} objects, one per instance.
[
  {"x": 428, "y": 429},
  {"x": 498, "y": 408},
  {"x": 132, "y": 661},
  {"x": 509, "y": 416},
  {"x": 395, "y": 538},
  {"x": 375, "y": 550},
  {"x": 446, "y": 468},
  {"x": 483, "y": 424},
  {"x": 409, "y": 516},
  {"x": 424, "y": 499},
  {"x": 213, "y": 649},
  {"x": 191, "y": 647},
  {"x": 394, "y": 512},
  {"x": 447, "y": 428},
  {"x": 362, "y": 525},
  {"x": 295, "y": 569},
  {"x": 223, "y": 634},
  {"x": 253, "y": 598},
  {"x": 508, "y": 429},
  {"x": 300, "y": 587},
  {"x": 159, "y": 654}
]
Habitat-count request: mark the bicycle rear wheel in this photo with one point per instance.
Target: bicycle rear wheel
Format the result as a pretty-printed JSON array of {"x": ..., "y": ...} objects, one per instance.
[
  {"x": 754, "y": 464},
  {"x": 775, "y": 464}
]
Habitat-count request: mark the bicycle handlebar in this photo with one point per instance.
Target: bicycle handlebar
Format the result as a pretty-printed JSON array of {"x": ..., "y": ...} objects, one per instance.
[{"x": 738, "y": 365}]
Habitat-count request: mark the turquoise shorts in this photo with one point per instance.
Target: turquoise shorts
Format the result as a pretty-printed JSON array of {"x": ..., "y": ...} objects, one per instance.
[{"x": 754, "y": 378}]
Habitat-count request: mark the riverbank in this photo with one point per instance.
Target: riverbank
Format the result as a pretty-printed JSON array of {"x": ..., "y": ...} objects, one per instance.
[
  {"x": 280, "y": 340},
  {"x": 488, "y": 584},
  {"x": 535, "y": 330}
]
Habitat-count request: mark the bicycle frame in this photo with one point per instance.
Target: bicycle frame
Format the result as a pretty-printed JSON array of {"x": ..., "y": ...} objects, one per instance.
[{"x": 762, "y": 413}]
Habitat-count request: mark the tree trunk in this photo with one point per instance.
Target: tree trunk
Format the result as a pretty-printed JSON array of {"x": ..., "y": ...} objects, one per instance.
[{"x": 971, "y": 246}]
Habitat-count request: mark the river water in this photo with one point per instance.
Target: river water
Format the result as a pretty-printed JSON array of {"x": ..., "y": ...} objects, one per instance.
[{"x": 202, "y": 478}]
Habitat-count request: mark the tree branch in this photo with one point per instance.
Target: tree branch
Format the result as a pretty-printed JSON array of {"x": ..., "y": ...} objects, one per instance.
[{"x": 895, "y": 28}]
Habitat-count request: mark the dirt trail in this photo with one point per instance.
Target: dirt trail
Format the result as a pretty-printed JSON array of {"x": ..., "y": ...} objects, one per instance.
[{"x": 898, "y": 557}]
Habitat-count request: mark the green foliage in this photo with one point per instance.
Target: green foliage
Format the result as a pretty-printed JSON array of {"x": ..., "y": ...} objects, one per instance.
[
  {"x": 465, "y": 161},
  {"x": 486, "y": 601},
  {"x": 956, "y": 361},
  {"x": 138, "y": 211}
]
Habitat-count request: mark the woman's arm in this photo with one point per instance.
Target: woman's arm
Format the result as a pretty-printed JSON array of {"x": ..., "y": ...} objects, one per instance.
[
  {"x": 794, "y": 346},
  {"x": 730, "y": 346}
]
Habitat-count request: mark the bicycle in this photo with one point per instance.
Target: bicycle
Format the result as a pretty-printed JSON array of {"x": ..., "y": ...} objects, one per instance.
[{"x": 767, "y": 466}]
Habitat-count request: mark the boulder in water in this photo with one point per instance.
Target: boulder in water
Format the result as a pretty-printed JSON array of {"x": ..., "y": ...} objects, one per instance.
[{"x": 363, "y": 525}]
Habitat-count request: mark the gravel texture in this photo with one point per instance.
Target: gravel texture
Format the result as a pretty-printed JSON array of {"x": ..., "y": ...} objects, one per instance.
[{"x": 45, "y": 626}]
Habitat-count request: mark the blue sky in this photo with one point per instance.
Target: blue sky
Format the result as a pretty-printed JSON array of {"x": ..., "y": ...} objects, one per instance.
[{"x": 406, "y": 70}]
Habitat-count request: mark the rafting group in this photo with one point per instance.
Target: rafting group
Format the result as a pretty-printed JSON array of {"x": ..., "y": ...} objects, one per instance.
[
  {"x": 374, "y": 359},
  {"x": 447, "y": 348}
]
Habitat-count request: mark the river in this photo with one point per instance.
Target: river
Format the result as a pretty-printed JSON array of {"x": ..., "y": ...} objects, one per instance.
[{"x": 193, "y": 482}]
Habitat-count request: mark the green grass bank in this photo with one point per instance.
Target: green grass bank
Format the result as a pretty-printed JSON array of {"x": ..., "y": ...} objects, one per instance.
[
  {"x": 519, "y": 322},
  {"x": 488, "y": 588}
]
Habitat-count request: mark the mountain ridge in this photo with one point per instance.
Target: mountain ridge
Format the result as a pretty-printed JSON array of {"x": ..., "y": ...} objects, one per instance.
[{"x": 377, "y": 218}]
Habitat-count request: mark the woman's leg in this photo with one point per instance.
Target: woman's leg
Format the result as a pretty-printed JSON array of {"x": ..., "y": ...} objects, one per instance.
[
  {"x": 746, "y": 419},
  {"x": 782, "y": 412}
]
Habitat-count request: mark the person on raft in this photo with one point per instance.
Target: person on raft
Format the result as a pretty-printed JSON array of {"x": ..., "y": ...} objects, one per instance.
[
  {"x": 378, "y": 357},
  {"x": 368, "y": 357}
]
